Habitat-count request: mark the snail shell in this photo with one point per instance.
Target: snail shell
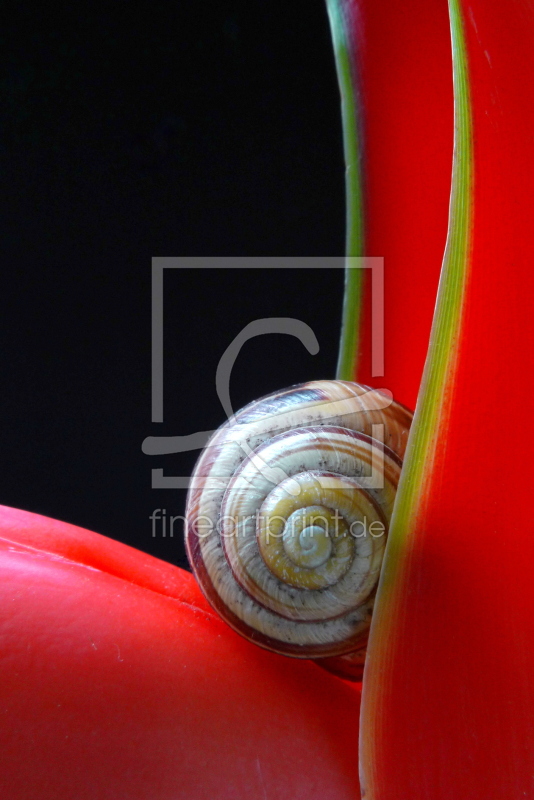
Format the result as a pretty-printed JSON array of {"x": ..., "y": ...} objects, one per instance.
[{"x": 288, "y": 512}]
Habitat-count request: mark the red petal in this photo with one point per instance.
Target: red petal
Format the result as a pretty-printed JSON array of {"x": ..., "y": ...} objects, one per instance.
[
  {"x": 407, "y": 116},
  {"x": 449, "y": 693},
  {"x": 112, "y": 687}
]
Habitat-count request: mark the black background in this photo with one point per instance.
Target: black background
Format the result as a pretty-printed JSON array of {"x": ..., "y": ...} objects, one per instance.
[{"x": 165, "y": 129}]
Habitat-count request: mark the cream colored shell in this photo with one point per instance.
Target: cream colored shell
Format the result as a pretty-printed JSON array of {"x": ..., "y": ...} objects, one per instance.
[{"x": 288, "y": 513}]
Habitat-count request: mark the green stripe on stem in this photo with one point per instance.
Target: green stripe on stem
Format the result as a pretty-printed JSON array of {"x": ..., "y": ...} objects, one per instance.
[
  {"x": 343, "y": 49},
  {"x": 430, "y": 420}
]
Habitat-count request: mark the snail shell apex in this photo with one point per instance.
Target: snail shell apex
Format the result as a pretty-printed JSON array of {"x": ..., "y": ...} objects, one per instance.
[{"x": 288, "y": 512}]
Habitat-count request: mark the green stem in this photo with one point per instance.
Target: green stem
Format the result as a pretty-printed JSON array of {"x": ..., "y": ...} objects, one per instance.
[
  {"x": 430, "y": 417},
  {"x": 343, "y": 47}
]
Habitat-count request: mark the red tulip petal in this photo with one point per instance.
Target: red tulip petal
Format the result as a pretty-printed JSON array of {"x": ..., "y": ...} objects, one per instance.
[
  {"x": 402, "y": 56},
  {"x": 93, "y": 550},
  {"x": 448, "y": 689},
  {"x": 113, "y": 687}
]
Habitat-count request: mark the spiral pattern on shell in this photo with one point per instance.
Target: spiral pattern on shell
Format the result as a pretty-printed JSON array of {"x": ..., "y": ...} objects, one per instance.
[{"x": 288, "y": 512}]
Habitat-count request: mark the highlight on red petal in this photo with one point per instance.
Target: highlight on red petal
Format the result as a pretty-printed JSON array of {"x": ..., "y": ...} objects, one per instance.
[
  {"x": 62, "y": 540},
  {"x": 402, "y": 144},
  {"x": 115, "y": 684},
  {"x": 448, "y": 693}
]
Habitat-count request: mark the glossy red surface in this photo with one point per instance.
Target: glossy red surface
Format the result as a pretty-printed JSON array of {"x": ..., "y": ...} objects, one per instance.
[
  {"x": 451, "y": 688},
  {"x": 407, "y": 98},
  {"x": 117, "y": 681}
]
